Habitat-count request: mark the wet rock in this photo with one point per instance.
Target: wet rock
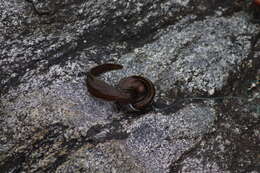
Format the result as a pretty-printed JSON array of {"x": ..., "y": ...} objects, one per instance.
[
  {"x": 234, "y": 142},
  {"x": 50, "y": 123},
  {"x": 107, "y": 157},
  {"x": 158, "y": 140},
  {"x": 201, "y": 60}
]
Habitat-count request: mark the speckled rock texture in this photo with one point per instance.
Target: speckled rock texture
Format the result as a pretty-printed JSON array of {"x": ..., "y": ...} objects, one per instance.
[{"x": 202, "y": 56}]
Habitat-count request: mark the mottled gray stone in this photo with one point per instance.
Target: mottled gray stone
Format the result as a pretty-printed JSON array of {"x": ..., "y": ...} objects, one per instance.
[
  {"x": 108, "y": 158},
  {"x": 66, "y": 103},
  {"x": 196, "y": 165},
  {"x": 199, "y": 54},
  {"x": 158, "y": 140},
  {"x": 50, "y": 123}
]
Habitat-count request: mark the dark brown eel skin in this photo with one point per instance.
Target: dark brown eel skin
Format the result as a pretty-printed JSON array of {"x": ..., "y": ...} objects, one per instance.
[
  {"x": 143, "y": 90},
  {"x": 136, "y": 91},
  {"x": 101, "y": 89}
]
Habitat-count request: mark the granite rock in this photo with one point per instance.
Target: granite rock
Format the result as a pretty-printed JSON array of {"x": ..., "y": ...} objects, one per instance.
[{"x": 202, "y": 56}]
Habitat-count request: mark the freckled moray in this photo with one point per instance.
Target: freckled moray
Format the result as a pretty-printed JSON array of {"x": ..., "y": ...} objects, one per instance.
[{"x": 135, "y": 91}]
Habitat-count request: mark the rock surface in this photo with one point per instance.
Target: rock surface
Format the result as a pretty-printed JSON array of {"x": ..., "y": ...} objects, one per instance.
[{"x": 203, "y": 57}]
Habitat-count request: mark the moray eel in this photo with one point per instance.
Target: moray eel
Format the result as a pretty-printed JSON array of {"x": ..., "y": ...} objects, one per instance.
[
  {"x": 135, "y": 91},
  {"x": 142, "y": 88},
  {"x": 101, "y": 89}
]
